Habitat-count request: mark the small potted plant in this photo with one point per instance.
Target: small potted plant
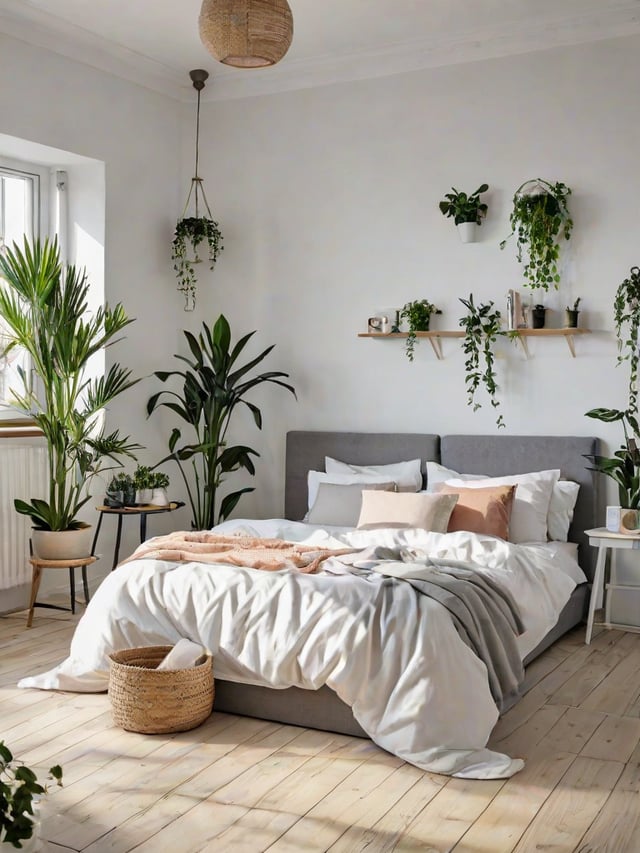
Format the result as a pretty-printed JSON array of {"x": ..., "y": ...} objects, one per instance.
[
  {"x": 571, "y": 315},
  {"x": 142, "y": 481},
  {"x": 121, "y": 491},
  {"x": 192, "y": 235},
  {"x": 467, "y": 211},
  {"x": 538, "y": 313},
  {"x": 159, "y": 486},
  {"x": 539, "y": 219},
  {"x": 19, "y": 794},
  {"x": 418, "y": 316}
]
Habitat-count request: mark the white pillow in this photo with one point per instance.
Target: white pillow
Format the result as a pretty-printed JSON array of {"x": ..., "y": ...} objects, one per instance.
[
  {"x": 437, "y": 473},
  {"x": 340, "y": 505},
  {"x": 561, "y": 505},
  {"x": 530, "y": 506},
  {"x": 406, "y": 475},
  {"x": 314, "y": 478},
  {"x": 560, "y": 515}
]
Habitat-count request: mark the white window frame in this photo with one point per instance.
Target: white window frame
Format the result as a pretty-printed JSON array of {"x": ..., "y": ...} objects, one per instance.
[{"x": 40, "y": 177}]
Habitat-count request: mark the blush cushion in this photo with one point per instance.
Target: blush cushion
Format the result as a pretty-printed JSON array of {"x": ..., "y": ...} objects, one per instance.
[{"x": 482, "y": 510}]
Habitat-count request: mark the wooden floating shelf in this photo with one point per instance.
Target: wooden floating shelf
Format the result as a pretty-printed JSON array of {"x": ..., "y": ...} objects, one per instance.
[{"x": 434, "y": 336}]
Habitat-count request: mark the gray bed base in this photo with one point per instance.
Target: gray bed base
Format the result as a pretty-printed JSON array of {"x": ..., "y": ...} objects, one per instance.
[{"x": 494, "y": 455}]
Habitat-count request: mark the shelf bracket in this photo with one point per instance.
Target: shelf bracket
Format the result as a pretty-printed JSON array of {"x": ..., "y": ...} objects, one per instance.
[
  {"x": 570, "y": 344},
  {"x": 436, "y": 345},
  {"x": 524, "y": 345}
]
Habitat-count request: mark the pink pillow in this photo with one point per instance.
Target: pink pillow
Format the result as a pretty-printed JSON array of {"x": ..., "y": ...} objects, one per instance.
[{"x": 485, "y": 510}]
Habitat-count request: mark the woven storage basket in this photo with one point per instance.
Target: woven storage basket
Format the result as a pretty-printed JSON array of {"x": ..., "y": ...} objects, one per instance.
[{"x": 152, "y": 701}]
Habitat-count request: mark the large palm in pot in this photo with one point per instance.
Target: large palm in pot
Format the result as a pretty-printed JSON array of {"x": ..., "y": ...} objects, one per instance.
[{"x": 44, "y": 309}]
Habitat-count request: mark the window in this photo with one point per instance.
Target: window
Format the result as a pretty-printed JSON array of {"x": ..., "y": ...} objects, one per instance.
[{"x": 23, "y": 211}]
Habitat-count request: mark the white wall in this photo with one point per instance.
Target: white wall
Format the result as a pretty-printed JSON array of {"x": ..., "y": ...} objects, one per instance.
[
  {"x": 136, "y": 133},
  {"x": 328, "y": 203}
]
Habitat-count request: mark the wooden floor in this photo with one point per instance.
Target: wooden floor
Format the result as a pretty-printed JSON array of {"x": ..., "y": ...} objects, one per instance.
[{"x": 247, "y": 785}]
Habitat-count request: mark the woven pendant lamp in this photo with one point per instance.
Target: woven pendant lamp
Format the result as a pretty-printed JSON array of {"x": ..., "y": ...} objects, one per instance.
[{"x": 246, "y": 33}]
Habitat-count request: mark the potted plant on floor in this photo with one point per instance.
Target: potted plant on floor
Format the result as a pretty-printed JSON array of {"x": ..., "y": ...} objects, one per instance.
[
  {"x": 624, "y": 466},
  {"x": 19, "y": 792},
  {"x": 467, "y": 211},
  {"x": 418, "y": 316},
  {"x": 213, "y": 386},
  {"x": 539, "y": 220},
  {"x": 44, "y": 309}
]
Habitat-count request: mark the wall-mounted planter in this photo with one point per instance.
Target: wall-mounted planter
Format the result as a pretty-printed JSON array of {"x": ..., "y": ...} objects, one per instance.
[{"x": 467, "y": 231}]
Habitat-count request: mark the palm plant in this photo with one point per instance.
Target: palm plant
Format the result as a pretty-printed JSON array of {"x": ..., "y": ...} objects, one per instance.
[
  {"x": 43, "y": 306},
  {"x": 212, "y": 387}
]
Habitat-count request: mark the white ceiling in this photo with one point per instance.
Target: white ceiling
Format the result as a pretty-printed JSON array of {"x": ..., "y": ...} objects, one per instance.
[{"x": 156, "y": 42}]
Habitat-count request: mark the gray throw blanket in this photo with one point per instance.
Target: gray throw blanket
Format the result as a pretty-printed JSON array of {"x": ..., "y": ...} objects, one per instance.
[{"x": 484, "y": 613}]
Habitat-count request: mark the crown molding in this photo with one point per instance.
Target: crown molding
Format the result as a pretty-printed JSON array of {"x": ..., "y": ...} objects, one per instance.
[
  {"x": 31, "y": 25},
  {"x": 40, "y": 29}
]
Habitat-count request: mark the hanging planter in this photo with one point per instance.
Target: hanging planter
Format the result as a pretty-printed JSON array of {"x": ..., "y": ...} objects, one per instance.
[
  {"x": 539, "y": 220},
  {"x": 467, "y": 211},
  {"x": 197, "y": 238}
]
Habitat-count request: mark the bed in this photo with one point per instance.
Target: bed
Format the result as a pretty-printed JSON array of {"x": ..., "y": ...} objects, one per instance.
[{"x": 492, "y": 456}]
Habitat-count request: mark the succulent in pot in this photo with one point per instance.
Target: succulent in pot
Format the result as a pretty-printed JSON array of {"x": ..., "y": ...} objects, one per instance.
[{"x": 571, "y": 315}]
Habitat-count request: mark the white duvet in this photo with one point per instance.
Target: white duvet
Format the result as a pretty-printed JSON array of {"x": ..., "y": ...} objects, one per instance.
[{"x": 390, "y": 653}]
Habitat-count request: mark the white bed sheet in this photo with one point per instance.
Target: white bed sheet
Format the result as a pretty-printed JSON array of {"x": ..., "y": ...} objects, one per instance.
[{"x": 392, "y": 655}]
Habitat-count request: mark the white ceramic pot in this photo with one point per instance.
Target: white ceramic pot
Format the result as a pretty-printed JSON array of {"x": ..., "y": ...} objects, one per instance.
[
  {"x": 159, "y": 497},
  {"x": 62, "y": 544},
  {"x": 467, "y": 231},
  {"x": 143, "y": 496}
]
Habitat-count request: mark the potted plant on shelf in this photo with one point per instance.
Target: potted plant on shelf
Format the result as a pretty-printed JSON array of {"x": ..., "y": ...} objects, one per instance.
[
  {"x": 467, "y": 211},
  {"x": 482, "y": 327},
  {"x": 571, "y": 315},
  {"x": 19, "y": 794},
  {"x": 539, "y": 219},
  {"x": 194, "y": 236},
  {"x": 213, "y": 386},
  {"x": 418, "y": 316},
  {"x": 44, "y": 309}
]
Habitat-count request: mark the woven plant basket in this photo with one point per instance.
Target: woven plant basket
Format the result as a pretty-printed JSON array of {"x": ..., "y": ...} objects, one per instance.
[{"x": 152, "y": 701}]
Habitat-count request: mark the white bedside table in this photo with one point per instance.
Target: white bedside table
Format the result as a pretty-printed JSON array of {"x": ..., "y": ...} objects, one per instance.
[{"x": 603, "y": 539}]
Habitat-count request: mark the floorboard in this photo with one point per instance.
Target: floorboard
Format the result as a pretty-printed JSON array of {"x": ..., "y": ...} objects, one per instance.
[{"x": 247, "y": 785}]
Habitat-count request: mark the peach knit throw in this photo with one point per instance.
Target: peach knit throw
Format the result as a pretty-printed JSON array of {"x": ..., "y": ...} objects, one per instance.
[{"x": 201, "y": 546}]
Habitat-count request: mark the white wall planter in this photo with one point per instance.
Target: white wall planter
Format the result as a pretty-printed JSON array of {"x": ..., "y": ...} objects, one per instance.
[{"x": 467, "y": 231}]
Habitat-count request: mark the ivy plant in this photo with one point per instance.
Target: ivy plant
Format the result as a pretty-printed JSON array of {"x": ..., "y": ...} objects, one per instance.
[
  {"x": 418, "y": 316},
  {"x": 627, "y": 323},
  {"x": 539, "y": 219},
  {"x": 482, "y": 327},
  {"x": 191, "y": 233}
]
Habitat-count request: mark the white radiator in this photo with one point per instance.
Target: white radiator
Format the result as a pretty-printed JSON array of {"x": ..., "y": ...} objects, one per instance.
[{"x": 23, "y": 474}]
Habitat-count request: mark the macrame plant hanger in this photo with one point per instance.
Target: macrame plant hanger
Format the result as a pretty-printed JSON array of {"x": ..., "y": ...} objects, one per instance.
[{"x": 198, "y": 78}]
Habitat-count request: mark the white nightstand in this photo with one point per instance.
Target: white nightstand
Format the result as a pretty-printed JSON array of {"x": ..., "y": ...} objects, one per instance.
[{"x": 602, "y": 539}]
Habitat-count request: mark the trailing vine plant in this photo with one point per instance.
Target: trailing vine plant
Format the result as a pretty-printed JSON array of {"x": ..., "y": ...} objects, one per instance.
[
  {"x": 539, "y": 219},
  {"x": 190, "y": 233},
  {"x": 418, "y": 316},
  {"x": 627, "y": 319},
  {"x": 482, "y": 327}
]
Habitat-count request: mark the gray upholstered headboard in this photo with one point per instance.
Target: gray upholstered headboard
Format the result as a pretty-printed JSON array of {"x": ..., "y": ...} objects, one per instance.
[{"x": 494, "y": 455}]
